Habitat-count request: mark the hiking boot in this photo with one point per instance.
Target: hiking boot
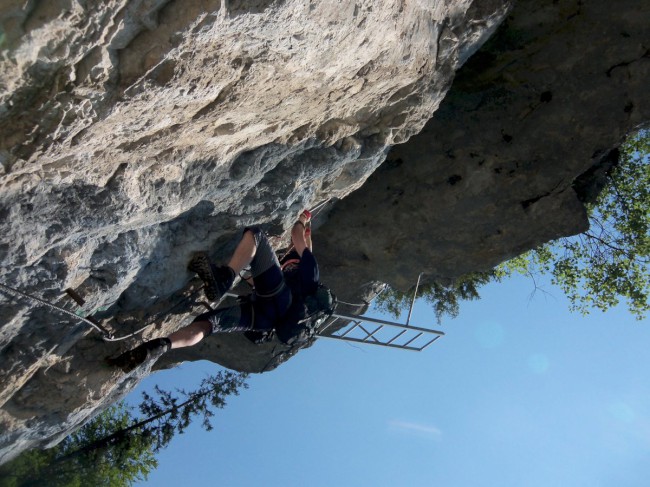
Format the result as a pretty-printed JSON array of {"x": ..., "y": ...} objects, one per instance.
[
  {"x": 216, "y": 280},
  {"x": 148, "y": 351}
]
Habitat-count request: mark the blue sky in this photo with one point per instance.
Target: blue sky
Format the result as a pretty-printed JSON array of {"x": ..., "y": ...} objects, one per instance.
[{"x": 519, "y": 392}]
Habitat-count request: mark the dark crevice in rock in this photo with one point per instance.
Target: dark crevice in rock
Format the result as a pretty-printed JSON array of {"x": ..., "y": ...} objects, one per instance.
[
  {"x": 239, "y": 7},
  {"x": 590, "y": 183},
  {"x": 526, "y": 203},
  {"x": 546, "y": 96},
  {"x": 623, "y": 64},
  {"x": 452, "y": 180},
  {"x": 393, "y": 163}
]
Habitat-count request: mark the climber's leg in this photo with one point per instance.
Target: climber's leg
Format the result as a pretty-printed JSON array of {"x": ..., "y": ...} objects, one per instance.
[
  {"x": 223, "y": 320},
  {"x": 244, "y": 253},
  {"x": 265, "y": 267},
  {"x": 146, "y": 352},
  {"x": 218, "y": 280},
  {"x": 190, "y": 334}
]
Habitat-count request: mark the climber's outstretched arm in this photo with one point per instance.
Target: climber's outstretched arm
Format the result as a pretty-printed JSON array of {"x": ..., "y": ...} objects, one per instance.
[
  {"x": 301, "y": 233},
  {"x": 308, "y": 238},
  {"x": 298, "y": 238}
]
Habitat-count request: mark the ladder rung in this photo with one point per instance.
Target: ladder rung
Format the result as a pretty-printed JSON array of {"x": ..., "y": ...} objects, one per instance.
[
  {"x": 368, "y": 334},
  {"x": 413, "y": 339},
  {"x": 378, "y": 343},
  {"x": 429, "y": 343},
  {"x": 371, "y": 335},
  {"x": 356, "y": 323},
  {"x": 396, "y": 337}
]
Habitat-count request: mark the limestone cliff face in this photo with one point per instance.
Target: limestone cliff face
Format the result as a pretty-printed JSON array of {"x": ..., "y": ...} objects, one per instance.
[{"x": 133, "y": 133}]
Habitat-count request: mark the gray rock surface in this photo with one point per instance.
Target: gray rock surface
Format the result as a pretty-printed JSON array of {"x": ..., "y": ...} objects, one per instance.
[
  {"x": 513, "y": 150},
  {"x": 133, "y": 133}
]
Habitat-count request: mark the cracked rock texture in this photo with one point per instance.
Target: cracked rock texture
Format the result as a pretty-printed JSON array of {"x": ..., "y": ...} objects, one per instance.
[{"x": 133, "y": 133}]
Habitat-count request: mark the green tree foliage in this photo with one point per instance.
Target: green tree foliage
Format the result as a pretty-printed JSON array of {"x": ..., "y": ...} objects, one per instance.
[
  {"x": 168, "y": 414},
  {"x": 609, "y": 261},
  {"x": 444, "y": 298},
  {"x": 118, "y": 466},
  {"x": 115, "y": 448}
]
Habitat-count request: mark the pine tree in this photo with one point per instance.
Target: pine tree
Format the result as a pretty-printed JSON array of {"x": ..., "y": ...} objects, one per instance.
[{"x": 116, "y": 448}]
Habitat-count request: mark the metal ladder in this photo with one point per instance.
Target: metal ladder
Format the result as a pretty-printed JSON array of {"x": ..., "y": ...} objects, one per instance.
[{"x": 383, "y": 333}]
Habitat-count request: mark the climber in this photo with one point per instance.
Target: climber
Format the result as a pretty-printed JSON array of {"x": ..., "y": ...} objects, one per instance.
[{"x": 278, "y": 300}]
